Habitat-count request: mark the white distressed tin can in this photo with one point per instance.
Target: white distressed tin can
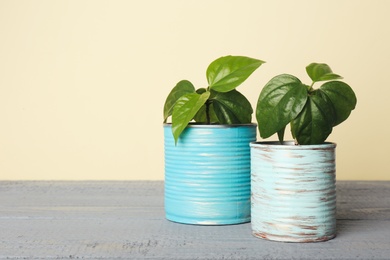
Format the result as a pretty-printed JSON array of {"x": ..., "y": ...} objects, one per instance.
[
  {"x": 207, "y": 174},
  {"x": 293, "y": 191}
]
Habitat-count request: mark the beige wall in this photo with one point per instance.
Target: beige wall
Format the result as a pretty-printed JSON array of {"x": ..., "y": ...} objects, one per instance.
[{"x": 83, "y": 83}]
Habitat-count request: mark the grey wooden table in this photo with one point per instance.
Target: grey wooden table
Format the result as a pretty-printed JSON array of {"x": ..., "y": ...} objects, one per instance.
[{"x": 125, "y": 220}]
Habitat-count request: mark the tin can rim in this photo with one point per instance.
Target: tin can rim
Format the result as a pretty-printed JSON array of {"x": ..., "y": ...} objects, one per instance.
[
  {"x": 201, "y": 125},
  {"x": 290, "y": 145}
]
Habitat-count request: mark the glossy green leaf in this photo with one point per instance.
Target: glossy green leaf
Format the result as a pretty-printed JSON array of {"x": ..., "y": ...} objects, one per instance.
[
  {"x": 280, "y": 101},
  {"x": 320, "y": 72},
  {"x": 227, "y": 73},
  {"x": 312, "y": 113},
  {"x": 181, "y": 88},
  {"x": 185, "y": 109},
  {"x": 232, "y": 108},
  {"x": 342, "y": 98},
  {"x": 314, "y": 124},
  {"x": 201, "y": 116}
]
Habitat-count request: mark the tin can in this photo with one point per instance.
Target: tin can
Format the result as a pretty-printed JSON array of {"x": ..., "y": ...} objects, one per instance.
[
  {"x": 207, "y": 174},
  {"x": 293, "y": 191}
]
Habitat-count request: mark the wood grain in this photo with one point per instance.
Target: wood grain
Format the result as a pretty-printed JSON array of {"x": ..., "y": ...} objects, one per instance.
[{"x": 126, "y": 220}]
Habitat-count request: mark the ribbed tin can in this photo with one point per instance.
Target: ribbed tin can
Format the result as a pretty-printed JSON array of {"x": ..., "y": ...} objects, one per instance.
[
  {"x": 207, "y": 174},
  {"x": 293, "y": 191}
]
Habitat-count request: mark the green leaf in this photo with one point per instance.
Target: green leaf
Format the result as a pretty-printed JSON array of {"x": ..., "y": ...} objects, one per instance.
[
  {"x": 232, "y": 108},
  {"x": 181, "y": 88},
  {"x": 320, "y": 72},
  {"x": 184, "y": 111},
  {"x": 280, "y": 101},
  {"x": 201, "y": 116},
  {"x": 342, "y": 98},
  {"x": 227, "y": 73},
  {"x": 281, "y": 134},
  {"x": 201, "y": 90},
  {"x": 314, "y": 124}
]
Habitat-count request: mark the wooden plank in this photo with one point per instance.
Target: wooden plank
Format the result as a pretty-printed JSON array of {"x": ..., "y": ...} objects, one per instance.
[{"x": 125, "y": 220}]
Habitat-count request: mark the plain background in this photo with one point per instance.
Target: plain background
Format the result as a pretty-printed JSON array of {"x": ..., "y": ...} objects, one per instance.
[{"x": 83, "y": 83}]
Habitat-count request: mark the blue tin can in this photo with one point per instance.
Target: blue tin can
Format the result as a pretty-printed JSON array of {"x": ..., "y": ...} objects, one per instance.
[
  {"x": 293, "y": 191},
  {"x": 207, "y": 174}
]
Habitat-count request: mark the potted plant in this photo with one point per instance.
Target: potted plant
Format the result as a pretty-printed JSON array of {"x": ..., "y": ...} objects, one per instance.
[
  {"x": 293, "y": 183},
  {"x": 206, "y": 146}
]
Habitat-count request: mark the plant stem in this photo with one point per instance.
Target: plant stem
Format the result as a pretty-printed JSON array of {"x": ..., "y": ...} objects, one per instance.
[
  {"x": 208, "y": 112},
  {"x": 311, "y": 86}
]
